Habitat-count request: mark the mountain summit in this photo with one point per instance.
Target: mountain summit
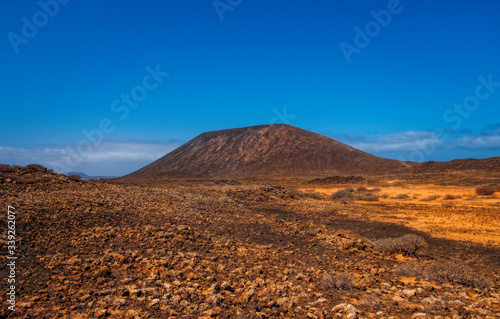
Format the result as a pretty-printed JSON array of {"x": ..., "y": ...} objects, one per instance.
[{"x": 266, "y": 150}]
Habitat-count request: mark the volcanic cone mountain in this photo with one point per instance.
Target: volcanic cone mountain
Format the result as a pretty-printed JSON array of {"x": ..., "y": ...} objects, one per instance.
[{"x": 278, "y": 150}]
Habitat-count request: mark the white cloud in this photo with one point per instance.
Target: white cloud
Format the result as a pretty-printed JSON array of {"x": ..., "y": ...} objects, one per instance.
[
  {"x": 404, "y": 141},
  {"x": 104, "y": 153},
  {"x": 420, "y": 140},
  {"x": 480, "y": 142}
]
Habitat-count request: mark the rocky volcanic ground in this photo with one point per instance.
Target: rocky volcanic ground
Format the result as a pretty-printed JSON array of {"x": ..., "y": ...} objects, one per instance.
[{"x": 90, "y": 249}]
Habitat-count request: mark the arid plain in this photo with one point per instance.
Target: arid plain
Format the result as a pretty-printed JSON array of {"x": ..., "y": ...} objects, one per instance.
[
  {"x": 445, "y": 207},
  {"x": 208, "y": 248}
]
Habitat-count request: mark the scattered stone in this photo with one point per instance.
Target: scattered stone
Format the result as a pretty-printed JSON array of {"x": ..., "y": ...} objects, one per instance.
[
  {"x": 409, "y": 292},
  {"x": 348, "y": 310},
  {"x": 101, "y": 313}
]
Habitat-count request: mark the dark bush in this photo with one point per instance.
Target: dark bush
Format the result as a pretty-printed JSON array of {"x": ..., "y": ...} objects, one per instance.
[
  {"x": 408, "y": 244},
  {"x": 428, "y": 199},
  {"x": 369, "y": 197},
  {"x": 450, "y": 197},
  {"x": 361, "y": 193},
  {"x": 313, "y": 195},
  {"x": 485, "y": 190},
  {"x": 341, "y": 194},
  {"x": 409, "y": 269},
  {"x": 455, "y": 272},
  {"x": 338, "y": 280},
  {"x": 444, "y": 271},
  {"x": 401, "y": 196},
  {"x": 292, "y": 193}
]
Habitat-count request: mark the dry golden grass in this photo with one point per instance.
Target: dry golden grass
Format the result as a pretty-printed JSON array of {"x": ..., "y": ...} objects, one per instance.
[{"x": 451, "y": 212}]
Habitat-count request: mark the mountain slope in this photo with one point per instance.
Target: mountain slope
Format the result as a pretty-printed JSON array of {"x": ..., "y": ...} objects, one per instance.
[{"x": 265, "y": 150}]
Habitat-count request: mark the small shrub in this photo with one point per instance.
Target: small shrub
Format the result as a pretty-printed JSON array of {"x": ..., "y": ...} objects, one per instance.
[
  {"x": 408, "y": 244},
  {"x": 376, "y": 189},
  {"x": 428, "y": 199},
  {"x": 341, "y": 194},
  {"x": 361, "y": 193},
  {"x": 338, "y": 280},
  {"x": 485, "y": 190},
  {"x": 455, "y": 272},
  {"x": 410, "y": 269},
  {"x": 444, "y": 271},
  {"x": 450, "y": 197},
  {"x": 313, "y": 195},
  {"x": 369, "y": 197},
  {"x": 292, "y": 193},
  {"x": 385, "y": 196},
  {"x": 401, "y": 196}
]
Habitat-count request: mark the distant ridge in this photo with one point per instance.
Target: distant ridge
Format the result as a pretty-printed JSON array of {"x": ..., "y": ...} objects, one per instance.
[
  {"x": 491, "y": 164},
  {"x": 87, "y": 177},
  {"x": 265, "y": 150}
]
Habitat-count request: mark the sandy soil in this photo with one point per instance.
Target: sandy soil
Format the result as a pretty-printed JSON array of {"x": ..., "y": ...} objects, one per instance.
[{"x": 466, "y": 217}]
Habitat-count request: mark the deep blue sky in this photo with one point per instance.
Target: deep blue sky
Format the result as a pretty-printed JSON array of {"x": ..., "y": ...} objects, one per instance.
[{"x": 263, "y": 60}]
